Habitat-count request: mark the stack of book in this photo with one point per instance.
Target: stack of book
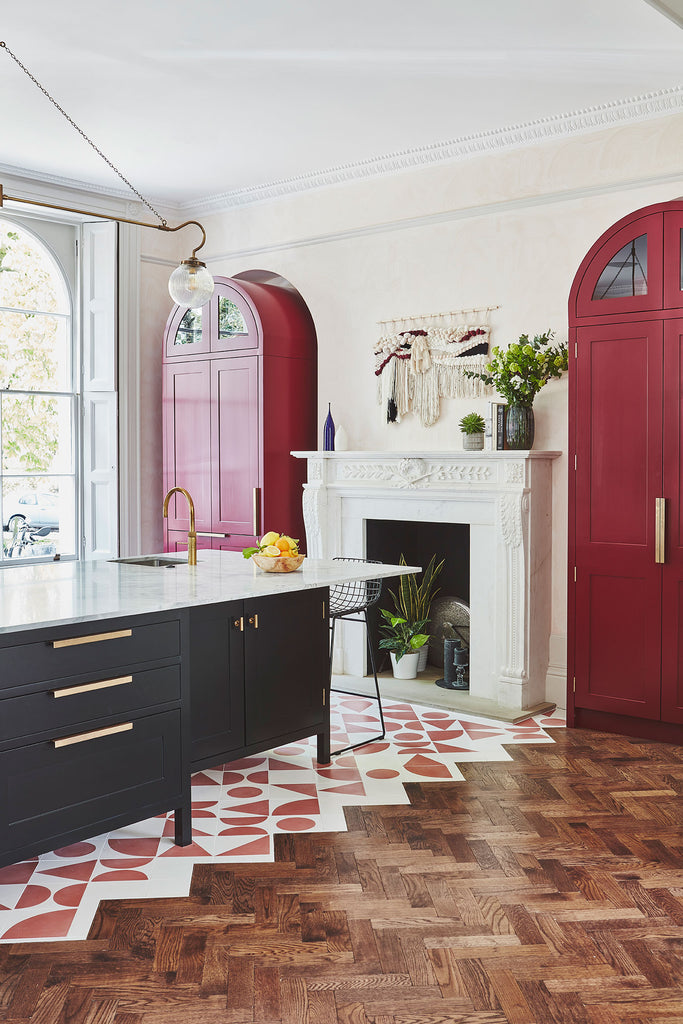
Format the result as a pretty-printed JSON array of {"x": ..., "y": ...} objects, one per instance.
[{"x": 494, "y": 435}]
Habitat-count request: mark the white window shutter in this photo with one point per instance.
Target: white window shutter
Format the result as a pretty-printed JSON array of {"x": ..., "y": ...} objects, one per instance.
[{"x": 100, "y": 407}]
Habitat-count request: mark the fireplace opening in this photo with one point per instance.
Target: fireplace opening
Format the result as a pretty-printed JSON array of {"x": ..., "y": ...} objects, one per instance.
[{"x": 388, "y": 539}]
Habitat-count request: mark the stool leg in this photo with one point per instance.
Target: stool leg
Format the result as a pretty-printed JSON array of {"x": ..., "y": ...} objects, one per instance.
[{"x": 374, "y": 672}]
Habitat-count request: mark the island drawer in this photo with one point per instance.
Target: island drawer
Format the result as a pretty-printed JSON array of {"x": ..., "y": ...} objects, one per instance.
[
  {"x": 49, "y": 792},
  {"x": 88, "y": 649},
  {"x": 71, "y": 703}
]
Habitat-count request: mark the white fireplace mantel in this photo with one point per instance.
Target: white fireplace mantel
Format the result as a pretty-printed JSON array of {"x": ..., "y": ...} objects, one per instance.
[{"x": 506, "y": 499}]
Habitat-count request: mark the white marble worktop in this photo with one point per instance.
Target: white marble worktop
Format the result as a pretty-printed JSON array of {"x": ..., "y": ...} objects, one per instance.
[{"x": 60, "y": 593}]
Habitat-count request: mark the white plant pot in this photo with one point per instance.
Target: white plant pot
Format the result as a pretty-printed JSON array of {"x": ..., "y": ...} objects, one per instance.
[
  {"x": 473, "y": 442},
  {"x": 422, "y": 656},
  {"x": 406, "y": 668}
]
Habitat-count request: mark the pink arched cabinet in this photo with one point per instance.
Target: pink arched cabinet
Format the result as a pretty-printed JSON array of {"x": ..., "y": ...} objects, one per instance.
[{"x": 239, "y": 394}]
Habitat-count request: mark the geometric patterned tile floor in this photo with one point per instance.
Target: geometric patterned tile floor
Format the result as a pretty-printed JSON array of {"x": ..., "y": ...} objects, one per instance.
[{"x": 236, "y": 809}]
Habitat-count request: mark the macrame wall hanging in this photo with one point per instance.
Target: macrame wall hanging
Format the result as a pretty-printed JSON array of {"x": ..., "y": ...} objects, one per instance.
[{"x": 420, "y": 359}]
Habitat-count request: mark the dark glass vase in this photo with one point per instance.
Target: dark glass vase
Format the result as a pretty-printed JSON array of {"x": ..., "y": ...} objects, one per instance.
[
  {"x": 519, "y": 427},
  {"x": 328, "y": 431}
]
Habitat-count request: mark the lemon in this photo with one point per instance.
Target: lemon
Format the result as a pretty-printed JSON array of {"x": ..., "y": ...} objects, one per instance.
[
  {"x": 269, "y": 538},
  {"x": 271, "y": 551}
]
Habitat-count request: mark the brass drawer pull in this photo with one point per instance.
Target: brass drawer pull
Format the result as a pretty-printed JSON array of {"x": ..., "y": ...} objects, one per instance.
[
  {"x": 253, "y": 621},
  {"x": 104, "y": 684},
  {"x": 96, "y": 734},
  {"x": 94, "y": 638}
]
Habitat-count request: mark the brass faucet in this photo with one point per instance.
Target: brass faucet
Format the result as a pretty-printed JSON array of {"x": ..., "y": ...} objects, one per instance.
[{"x": 192, "y": 535}]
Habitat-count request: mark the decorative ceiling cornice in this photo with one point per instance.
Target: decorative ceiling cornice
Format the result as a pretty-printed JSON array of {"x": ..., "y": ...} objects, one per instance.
[
  {"x": 606, "y": 115},
  {"x": 639, "y": 108}
]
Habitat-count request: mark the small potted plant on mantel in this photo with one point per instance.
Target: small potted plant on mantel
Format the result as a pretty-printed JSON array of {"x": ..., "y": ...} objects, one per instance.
[
  {"x": 472, "y": 427},
  {"x": 403, "y": 640}
]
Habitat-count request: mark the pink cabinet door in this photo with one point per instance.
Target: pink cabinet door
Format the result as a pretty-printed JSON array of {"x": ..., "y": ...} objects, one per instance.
[
  {"x": 187, "y": 445},
  {"x": 618, "y": 477},
  {"x": 176, "y": 541},
  {"x": 236, "y": 444}
]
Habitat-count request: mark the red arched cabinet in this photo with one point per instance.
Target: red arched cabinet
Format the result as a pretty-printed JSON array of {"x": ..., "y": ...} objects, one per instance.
[
  {"x": 239, "y": 394},
  {"x": 625, "y": 621}
]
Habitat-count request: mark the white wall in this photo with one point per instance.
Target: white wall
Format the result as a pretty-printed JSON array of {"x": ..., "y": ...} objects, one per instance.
[{"x": 508, "y": 229}]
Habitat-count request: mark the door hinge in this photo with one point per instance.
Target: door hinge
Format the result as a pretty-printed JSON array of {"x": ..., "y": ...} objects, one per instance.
[{"x": 324, "y": 697}]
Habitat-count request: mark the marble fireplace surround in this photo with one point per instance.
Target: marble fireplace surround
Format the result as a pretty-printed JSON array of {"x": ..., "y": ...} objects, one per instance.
[{"x": 506, "y": 499}]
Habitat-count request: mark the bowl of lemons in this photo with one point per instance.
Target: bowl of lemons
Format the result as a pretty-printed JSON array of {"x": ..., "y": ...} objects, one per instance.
[{"x": 276, "y": 552}]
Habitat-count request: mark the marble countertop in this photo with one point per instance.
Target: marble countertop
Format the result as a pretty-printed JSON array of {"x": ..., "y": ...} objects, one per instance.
[{"x": 59, "y": 593}]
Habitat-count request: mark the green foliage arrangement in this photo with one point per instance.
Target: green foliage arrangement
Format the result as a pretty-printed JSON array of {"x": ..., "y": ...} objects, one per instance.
[
  {"x": 414, "y": 599},
  {"x": 473, "y": 423},
  {"x": 402, "y": 637},
  {"x": 520, "y": 371}
]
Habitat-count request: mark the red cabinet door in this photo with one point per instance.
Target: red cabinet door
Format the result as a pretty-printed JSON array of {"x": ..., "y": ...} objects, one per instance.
[
  {"x": 672, "y": 569},
  {"x": 235, "y": 444},
  {"x": 187, "y": 447},
  {"x": 618, "y": 478}
]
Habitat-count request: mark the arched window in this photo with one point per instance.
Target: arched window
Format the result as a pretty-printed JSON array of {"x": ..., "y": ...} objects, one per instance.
[{"x": 39, "y": 403}]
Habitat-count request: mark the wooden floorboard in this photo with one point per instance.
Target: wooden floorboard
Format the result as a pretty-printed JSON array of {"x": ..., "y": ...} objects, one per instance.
[{"x": 542, "y": 890}]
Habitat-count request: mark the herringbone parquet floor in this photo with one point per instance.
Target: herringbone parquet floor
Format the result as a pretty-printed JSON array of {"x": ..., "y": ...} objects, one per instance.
[{"x": 545, "y": 889}]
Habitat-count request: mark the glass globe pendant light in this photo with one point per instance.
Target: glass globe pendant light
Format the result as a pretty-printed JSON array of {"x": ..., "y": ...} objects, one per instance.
[{"x": 190, "y": 284}]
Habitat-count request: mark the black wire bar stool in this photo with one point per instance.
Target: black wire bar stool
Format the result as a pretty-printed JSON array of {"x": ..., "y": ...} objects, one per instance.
[{"x": 350, "y": 601}]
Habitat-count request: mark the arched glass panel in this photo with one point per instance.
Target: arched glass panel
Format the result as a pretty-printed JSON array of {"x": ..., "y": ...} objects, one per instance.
[
  {"x": 626, "y": 273},
  {"x": 190, "y": 328},
  {"x": 37, "y": 401},
  {"x": 230, "y": 320}
]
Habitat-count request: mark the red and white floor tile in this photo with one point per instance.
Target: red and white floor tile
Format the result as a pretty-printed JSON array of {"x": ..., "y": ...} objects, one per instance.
[{"x": 238, "y": 807}]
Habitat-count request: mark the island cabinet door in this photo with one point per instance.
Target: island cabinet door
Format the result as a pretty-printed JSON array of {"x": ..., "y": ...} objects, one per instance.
[
  {"x": 286, "y": 664},
  {"x": 216, "y": 682}
]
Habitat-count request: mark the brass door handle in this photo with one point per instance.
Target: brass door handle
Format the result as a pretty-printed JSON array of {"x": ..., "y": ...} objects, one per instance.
[
  {"x": 104, "y": 684},
  {"x": 96, "y": 734},
  {"x": 94, "y": 638},
  {"x": 660, "y": 530},
  {"x": 257, "y": 511},
  {"x": 253, "y": 621}
]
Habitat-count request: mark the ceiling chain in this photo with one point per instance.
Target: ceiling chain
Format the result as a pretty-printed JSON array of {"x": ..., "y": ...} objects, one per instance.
[{"x": 80, "y": 131}]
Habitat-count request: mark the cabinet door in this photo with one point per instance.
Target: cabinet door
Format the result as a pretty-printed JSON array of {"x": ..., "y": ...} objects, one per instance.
[
  {"x": 216, "y": 682},
  {"x": 187, "y": 332},
  {"x": 235, "y": 438},
  {"x": 286, "y": 665},
  {"x": 187, "y": 444},
  {"x": 233, "y": 323},
  {"x": 177, "y": 541},
  {"x": 672, "y": 570},
  {"x": 618, "y": 478}
]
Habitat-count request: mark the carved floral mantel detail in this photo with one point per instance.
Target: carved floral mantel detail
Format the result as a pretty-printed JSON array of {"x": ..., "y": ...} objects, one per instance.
[
  {"x": 505, "y": 497},
  {"x": 414, "y": 472}
]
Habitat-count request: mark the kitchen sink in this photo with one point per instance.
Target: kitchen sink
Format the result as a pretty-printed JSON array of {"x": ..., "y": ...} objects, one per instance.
[{"x": 153, "y": 561}]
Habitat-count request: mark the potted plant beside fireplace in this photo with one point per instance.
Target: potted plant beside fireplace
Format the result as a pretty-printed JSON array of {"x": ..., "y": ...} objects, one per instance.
[
  {"x": 403, "y": 640},
  {"x": 414, "y": 600}
]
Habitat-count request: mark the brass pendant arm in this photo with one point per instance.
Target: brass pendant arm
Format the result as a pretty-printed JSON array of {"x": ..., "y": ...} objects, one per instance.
[{"x": 104, "y": 216}]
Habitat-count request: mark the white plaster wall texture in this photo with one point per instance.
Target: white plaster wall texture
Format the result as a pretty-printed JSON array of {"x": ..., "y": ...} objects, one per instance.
[{"x": 506, "y": 229}]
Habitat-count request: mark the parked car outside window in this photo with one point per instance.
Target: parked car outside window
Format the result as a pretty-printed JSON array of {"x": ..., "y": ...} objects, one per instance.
[{"x": 38, "y": 508}]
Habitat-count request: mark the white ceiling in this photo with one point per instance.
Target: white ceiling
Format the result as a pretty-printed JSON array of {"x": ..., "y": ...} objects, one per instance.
[{"x": 241, "y": 95}]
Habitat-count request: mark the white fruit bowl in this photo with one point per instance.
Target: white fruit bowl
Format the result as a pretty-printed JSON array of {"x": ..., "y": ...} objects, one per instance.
[{"x": 285, "y": 563}]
